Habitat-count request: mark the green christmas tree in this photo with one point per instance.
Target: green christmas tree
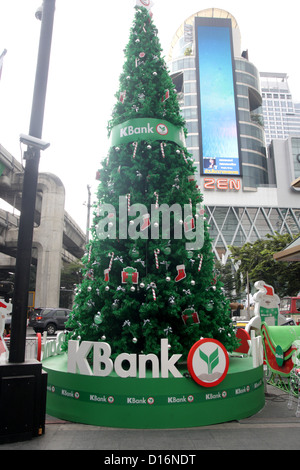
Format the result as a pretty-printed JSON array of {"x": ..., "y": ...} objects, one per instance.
[{"x": 149, "y": 270}]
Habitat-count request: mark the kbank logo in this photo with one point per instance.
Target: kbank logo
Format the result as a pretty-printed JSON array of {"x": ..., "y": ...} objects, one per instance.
[
  {"x": 208, "y": 362},
  {"x": 162, "y": 129}
]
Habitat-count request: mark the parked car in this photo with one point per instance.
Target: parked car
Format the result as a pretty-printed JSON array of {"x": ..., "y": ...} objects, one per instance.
[{"x": 48, "y": 319}]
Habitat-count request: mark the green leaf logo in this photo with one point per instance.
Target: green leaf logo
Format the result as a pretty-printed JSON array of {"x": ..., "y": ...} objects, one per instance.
[
  {"x": 162, "y": 129},
  {"x": 212, "y": 361}
]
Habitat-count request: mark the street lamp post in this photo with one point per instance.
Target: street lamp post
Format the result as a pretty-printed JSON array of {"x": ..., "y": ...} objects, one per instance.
[
  {"x": 24, "y": 249},
  {"x": 23, "y": 383}
]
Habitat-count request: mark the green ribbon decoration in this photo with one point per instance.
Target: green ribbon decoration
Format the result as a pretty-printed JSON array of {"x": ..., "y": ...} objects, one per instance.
[{"x": 147, "y": 129}]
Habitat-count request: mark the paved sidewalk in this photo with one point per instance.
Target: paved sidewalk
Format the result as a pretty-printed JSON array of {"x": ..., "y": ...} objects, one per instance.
[{"x": 275, "y": 427}]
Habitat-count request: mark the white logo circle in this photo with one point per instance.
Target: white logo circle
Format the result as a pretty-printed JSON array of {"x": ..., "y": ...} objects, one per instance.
[
  {"x": 162, "y": 129},
  {"x": 208, "y": 362}
]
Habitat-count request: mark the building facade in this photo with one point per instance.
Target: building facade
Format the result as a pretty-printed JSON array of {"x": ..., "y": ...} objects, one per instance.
[
  {"x": 280, "y": 114},
  {"x": 246, "y": 195}
]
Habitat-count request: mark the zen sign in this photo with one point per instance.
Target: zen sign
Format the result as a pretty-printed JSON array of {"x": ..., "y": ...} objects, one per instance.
[{"x": 222, "y": 184}]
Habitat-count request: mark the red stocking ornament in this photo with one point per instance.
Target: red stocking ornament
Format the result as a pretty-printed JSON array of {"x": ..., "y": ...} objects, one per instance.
[{"x": 181, "y": 272}]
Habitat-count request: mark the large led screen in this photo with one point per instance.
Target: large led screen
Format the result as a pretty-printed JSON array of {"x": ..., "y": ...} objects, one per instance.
[{"x": 218, "y": 113}]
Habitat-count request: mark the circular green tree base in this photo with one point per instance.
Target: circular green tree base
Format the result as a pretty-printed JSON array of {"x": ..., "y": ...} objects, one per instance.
[{"x": 153, "y": 403}]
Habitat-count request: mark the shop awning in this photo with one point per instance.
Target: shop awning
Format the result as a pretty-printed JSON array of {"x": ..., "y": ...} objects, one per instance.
[
  {"x": 296, "y": 183},
  {"x": 290, "y": 253}
]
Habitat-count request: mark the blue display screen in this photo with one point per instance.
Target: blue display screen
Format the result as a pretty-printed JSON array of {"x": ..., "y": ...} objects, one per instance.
[{"x": 218, "y": 115}]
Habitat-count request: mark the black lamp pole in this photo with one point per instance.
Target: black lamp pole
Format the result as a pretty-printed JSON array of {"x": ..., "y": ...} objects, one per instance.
[{"x": 24, "y": 249}]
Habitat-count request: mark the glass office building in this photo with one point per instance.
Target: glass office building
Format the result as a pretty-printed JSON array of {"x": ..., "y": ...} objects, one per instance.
[
  {"x": 220, "y": 96},
  {"x": 281, "y": 115}
]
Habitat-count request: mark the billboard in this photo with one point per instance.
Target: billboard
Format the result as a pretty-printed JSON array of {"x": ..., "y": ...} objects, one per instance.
[{"x": 219, "y": 134}]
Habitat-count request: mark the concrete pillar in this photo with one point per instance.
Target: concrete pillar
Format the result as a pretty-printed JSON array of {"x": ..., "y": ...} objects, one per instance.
[{"x": 48, "y": 239}]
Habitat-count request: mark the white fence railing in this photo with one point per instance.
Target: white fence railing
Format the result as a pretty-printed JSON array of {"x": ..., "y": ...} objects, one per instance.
[{"x": 33, "y": 345}]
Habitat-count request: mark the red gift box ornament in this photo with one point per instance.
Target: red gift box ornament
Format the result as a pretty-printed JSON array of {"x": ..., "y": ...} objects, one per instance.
[
  {"x": 130, "y": 274},
  {"x": 190, "y": 317},
  {"x": 189, "y": 223}
]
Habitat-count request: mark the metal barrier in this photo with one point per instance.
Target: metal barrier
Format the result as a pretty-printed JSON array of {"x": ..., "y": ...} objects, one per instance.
[{"x": 33, "y": 345}]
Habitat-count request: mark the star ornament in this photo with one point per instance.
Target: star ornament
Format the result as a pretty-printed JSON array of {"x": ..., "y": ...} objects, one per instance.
[{"x": 145, "y": 3}]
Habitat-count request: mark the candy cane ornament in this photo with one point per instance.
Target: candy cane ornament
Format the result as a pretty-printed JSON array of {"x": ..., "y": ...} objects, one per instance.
[
  {"x": 90, "y": 253},
  {"x": 135, "y": 144},
  {"x": 200, "y": 262},
  {"x": 153, "y": 287},
  {"x": 128, "y": 202},
  {"x": 156, "y": 253},
  {"x": 156, "y": 202},
  {"x": 107, "y": 271},
  {"x": 185, "y": 159},
  {"x": 162, "y": 149},
  {"x": 111, "y": 261}
]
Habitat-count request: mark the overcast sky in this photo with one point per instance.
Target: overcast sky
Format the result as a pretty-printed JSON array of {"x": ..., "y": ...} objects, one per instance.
[{"x": 86, "y": 61}]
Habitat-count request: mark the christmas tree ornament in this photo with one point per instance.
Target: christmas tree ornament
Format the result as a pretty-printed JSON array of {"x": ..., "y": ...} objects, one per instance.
[
  {"x": 167, "y": 250},
  {"x": 135, "y": 144},
  {"x": 189, "y": 223},
  {"x": 134, "y": 340},
  {"x": 98, "y": 319},
  {"x": 134, "y": 252},
  {"x": 128, "y": 203},
  {"x": 156, "y": 253},
  {"x": 209, "y": 307},
  {"x": 184, "y": 157},
  {"x": 166, "y": 96},
  {"x": 162, "y": 145},
  {"x": 200, "y": 262},
  {"x": 190, "y": 317},
  {"x": 152, "y": 286},
  {"x": 146, "y": 222},
  {"x": 168, "y": 330},
  {"x": 130, "y": 274},
  {"x": 181, "y": 272},
  {"x": 122, "y": 96}
]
